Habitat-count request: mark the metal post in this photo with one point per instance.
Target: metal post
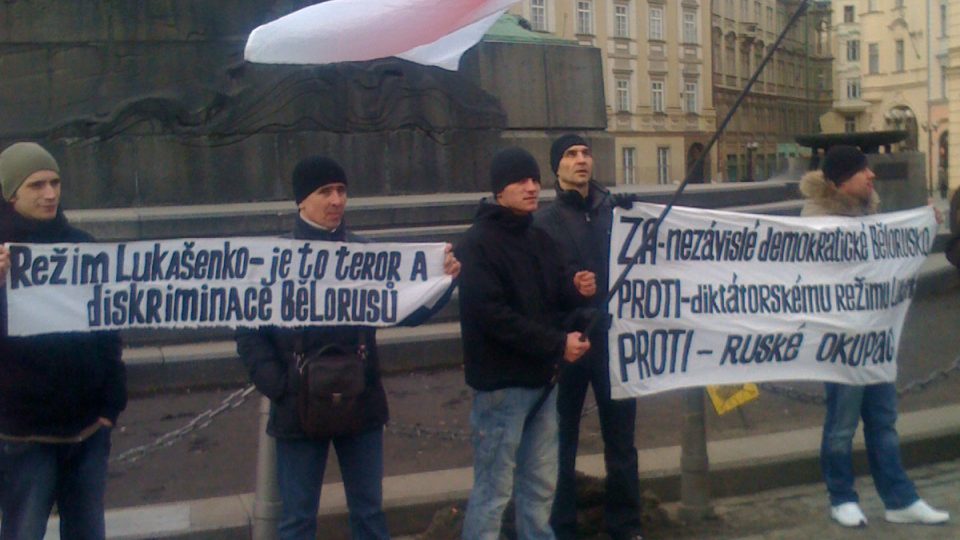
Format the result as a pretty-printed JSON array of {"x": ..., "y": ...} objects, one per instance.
[
  {"x": 266, "y": 504},
  {"x": 751, "y": 150},
  {"x": 694, "y": 463}
]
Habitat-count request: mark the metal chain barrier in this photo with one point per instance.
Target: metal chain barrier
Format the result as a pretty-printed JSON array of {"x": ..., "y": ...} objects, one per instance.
[
  {"x": 914, "y": 387},
  {"x": 237, "y": 398},
  {"x": 199, "y": 422}
]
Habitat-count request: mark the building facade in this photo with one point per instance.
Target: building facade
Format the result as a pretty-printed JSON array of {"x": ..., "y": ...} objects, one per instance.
[
  {"x": 656, "y": 65},
  {"x": 791, "y": 93},
  {"x": 891, "y": 72}
]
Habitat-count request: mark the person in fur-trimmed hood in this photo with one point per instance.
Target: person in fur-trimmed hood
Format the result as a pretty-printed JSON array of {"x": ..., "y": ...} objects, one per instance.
[{"x": 844, "y": 187}]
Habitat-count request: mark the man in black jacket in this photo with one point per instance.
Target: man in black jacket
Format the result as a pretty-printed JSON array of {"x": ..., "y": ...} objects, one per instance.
[
  {"x": 320, "y": 190},
  {"x": 579, "y": 221},
  {"x": 513, "y": 292},
  {"x": 60, "y": 394}
]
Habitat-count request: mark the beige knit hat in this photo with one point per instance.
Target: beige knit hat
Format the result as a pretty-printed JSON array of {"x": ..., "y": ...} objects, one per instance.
[{"x": 19, "y": 161}]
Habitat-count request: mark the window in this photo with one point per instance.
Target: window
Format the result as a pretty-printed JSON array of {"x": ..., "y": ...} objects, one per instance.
[
  {"x": 770, "y": 19},
  {"x": 757, "y": 12},
  {"x": 690, "y": 101},
  {"x": 732, "y": 168},
  {"x": 690, "y": 29},
  {"x": 717, "y": 55},
  {"x": 745, "y": 62},
  {"x": 943, "y": 20},
  {"x": 853, "y": 88},
  {"x": 538, "y": 15},
  {"x": 629, "y": 165},
  {"x": 744, "y": 12},
  {"x": 853, "y": 50},
  {"x": 623, "y": 94},
  {"x": 848, "y": 14},
  {"x": 849, "y": 124},
  {"x": 656, "y": 22},
  {"x": 584, "y": 16},
  {"x": 656, "y": 96},
  {"x": 871, "y": 5},
  {"x": 621, "y": 21},
  {"x": 663, "y": 165},
  {"x": 873, "y": 58},
  {"x": 899, "y": 55},
  {"x": 898, "y": 4}
]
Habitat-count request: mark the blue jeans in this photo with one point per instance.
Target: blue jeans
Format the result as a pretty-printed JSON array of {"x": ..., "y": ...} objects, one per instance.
[
  {"x": 300, "y": 467},
  {"x": 877, "y": 405},
  {"x": 35, "y": 475},
  {"x": 509, "y": 457},
  {"x": 617, "y": 424}
]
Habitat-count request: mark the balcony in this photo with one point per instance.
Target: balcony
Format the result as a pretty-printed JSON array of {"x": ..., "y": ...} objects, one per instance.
[
  {"x": 849, "y": 106},
  {"x": 748, "y": 30}
]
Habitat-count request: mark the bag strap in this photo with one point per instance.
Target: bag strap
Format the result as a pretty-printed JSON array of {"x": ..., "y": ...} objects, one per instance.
[{"x": 299, "y": 349}]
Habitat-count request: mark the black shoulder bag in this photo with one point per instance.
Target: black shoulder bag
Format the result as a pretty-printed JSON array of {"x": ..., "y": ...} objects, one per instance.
[{"x": 332, "y": 381}]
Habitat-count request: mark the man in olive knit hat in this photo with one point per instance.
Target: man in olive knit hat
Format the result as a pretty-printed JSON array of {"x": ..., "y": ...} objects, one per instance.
[
  {"x": 513, "y": 290},
  {"x": 60, "y": 394}
]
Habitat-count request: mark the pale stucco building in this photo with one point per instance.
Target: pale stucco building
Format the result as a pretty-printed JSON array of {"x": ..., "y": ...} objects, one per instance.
[
  {"x": 891, "y": 63},
  {"x": 657, "y": 79}
]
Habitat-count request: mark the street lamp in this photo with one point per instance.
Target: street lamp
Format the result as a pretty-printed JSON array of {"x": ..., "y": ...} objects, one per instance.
[{"x": 751, "y": 148}]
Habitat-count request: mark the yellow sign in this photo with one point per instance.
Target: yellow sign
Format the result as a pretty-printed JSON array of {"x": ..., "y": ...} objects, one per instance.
[{"x": 728, "y": 398}]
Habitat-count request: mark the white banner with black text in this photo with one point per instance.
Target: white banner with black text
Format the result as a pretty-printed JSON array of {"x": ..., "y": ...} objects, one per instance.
[
  {"x": 226, "y": 282},
  {"x": 727, "y": 298}
]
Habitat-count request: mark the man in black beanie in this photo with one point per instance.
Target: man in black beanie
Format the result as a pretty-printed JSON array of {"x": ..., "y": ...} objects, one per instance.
[
  {"x": 270, "y": 354},
  {"x": 513, "y": 292},
  {"x": 579, "y": 222},
  {"x": 844, "y": 187}
]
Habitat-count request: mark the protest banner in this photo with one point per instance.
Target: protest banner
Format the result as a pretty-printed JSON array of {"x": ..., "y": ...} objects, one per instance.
[
  {"x": 719, "y": 298},
  {"x": 226, "y": 282}
]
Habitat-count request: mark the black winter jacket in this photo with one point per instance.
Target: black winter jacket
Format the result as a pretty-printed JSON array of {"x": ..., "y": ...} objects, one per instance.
[
  {"x": 581, "y": 227},
  {"x": 55, "y": 385},
  {"x": 514, "y": 291},
  {"x": 268, "y": 352}
]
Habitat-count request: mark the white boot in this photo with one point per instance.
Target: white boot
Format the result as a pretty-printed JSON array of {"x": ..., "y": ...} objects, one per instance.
[
  {"x": 848, "y": 515},
  {"x": 918, "y": 512}
]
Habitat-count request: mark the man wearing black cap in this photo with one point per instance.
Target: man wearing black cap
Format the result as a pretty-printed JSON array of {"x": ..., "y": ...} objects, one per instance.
[
  {"x": 320, "y": 190},
  {"x": 579, "y": 222},
  {"x": 513, "y": 290},
  {"x": 60, "y": 394},
  {"x": 844, "y": 187}
]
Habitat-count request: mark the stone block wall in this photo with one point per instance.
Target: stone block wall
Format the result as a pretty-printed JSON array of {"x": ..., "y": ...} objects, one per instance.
[{"x": 150, "y": 103}]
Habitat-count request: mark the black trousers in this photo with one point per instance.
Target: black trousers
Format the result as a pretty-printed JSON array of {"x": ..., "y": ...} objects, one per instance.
[{"x": 617, "y": 425}]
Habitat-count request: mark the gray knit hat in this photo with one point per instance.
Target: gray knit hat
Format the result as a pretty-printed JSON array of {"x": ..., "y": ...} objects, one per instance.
[{"x": 19, "y": 161}]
